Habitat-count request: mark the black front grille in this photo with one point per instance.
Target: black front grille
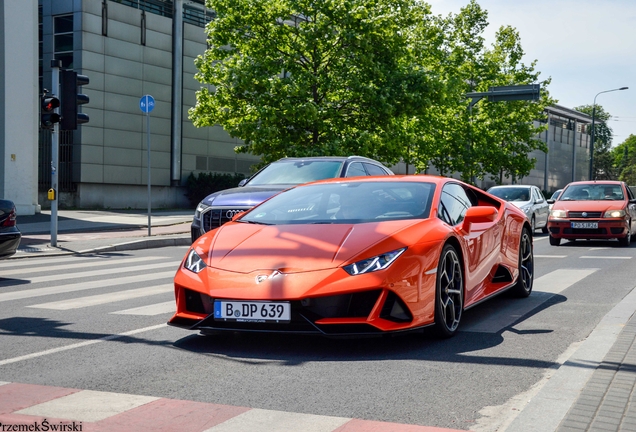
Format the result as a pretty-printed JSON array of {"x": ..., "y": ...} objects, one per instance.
[
  {"x": 598, "y": 231},
  {"x": 588, "y": 215},
  {"x": 214, "y": 218},
  {"x": 305, "y": 313}
]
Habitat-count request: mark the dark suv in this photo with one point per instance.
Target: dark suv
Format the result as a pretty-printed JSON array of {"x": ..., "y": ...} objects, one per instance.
[{"x": 220, "y": 207}]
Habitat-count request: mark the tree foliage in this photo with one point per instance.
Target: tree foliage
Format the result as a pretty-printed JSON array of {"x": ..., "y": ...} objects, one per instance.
[
  {"x": 379, "y": 78},
  {"x": 603, "y": 163},
  {"x": 305, "y": 78},
  {"x": 624, "y": 156}
]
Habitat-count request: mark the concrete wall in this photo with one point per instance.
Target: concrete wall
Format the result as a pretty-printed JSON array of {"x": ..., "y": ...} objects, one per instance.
[{"x": 19, "y": 102}]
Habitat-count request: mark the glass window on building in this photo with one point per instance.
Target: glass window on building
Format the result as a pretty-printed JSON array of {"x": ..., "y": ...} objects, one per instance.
[{"x": 63, "y": 40}]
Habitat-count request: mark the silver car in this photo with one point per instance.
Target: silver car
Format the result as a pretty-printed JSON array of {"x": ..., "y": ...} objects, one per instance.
[{"x": 527, "y": 198}]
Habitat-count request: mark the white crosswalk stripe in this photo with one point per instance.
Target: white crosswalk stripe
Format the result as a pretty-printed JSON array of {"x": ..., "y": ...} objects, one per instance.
[
  {"x": 89, "y": 264},
  {"x": 150, "y": 310},
  {"x": 105, "y": 298},
  {"x": 102, "y": 272},
  {"x": 81, "y": 286}
]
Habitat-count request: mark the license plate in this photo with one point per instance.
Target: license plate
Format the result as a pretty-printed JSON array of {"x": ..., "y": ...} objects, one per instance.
[
  {"x": 585, "y": 225},
  {"x": 252, "y": 311}
]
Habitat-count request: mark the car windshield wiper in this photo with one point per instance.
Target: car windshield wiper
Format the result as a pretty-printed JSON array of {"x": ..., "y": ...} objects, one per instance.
[{"x": 253, "y": 222}]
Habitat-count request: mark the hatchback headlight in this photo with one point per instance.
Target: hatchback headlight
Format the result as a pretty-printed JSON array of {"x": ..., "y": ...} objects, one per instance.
[
  {"x": 194, "y": 262},
  {"x": 200, "y": 209},
  {"x": 376, "y": 263},
  {"x": 558, "y": 214},
  {"x": 615, "y": 214}
]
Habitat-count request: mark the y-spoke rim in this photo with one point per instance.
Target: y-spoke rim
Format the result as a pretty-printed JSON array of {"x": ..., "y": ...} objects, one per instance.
[
  {"x": 527, "y": 262},
  {"x": 451, "y": 296}
]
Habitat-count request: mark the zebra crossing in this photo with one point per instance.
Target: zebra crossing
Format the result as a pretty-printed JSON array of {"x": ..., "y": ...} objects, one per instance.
[{"x": 89, "y": 281}]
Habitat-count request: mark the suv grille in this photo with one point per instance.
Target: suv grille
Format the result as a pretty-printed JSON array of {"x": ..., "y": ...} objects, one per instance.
[{"x": 216, "y": 217}]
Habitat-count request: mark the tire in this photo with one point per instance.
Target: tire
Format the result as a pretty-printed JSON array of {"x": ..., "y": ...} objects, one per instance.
[
  {"x": 523, "y": 287},
  {"x": 533, "y": 224},
  {"x": 449, "y": 292},
  {"x": 545, "y": 230},
  {"x": 555, "y": 241}
]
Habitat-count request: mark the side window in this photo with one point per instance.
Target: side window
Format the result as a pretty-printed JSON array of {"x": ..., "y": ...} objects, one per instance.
[
  {"x": 453, "y": 204},
  {"x": 356, "y": 169},
  {"x": 538, "y": 197},
  {"x": 374, "y": 170},
  {"x": 630, "y": 195}
]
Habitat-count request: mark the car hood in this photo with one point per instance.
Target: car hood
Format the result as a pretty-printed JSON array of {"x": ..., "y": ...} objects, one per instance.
[
  {"x": 243, "y": 196},
  {"x": 595, "y": 206},
  {"x": 244, "y": 248}
]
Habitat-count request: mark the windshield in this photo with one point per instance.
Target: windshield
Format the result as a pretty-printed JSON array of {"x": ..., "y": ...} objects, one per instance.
[
  {"x": 556, "y": 194},
  {"x": 346, "y": 202},
  {"x": 296, "y": 172},
  {"x": 592, "y": 192},
  {"x": 511, "y": 193}
]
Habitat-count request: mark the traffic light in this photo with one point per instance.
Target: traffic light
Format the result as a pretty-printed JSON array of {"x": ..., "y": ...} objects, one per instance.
[
  {"x": 71, "y": 99},
  {"x": 48, "y": 117}
]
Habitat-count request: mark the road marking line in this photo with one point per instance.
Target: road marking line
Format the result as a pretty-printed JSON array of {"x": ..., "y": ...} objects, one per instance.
[
  {"x": 79, "y": 345},
  {"x": 550, "y": 256},
  {"x": 605, "y": 257},
  {"x": 103, "y": 272},
  {"x": 543, "y": 289},
  {"x": 87, "y": 406},
  {"x": 279, "y": 421},
  {"x": 150, "y": 310},
  {"x": 94, "y": 263},
  {"x": 80, "y": 286},
  {"x": 82, "y": 302}
]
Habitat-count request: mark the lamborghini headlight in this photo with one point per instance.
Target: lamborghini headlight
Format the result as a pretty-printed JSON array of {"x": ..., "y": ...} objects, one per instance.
[
  {"x": 194, "y": 262},
  {"x": 557, "y": 214},
  {"x": 614, "y": 214},
  {"x": 376, "y": 263}
]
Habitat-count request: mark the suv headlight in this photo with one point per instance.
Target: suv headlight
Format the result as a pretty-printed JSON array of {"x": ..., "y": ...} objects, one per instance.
[
  {"x": 615, "y": 214},
  {"x": 200, "y": 209},
  {"x": 558, "y": 214},
  {"x": 376, "y": 263},
  {"x": 194, "y": 262}
]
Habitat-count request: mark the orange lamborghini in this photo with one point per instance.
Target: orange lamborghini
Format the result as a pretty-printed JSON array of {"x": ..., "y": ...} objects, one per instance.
[{"x": 356, "y": 256}]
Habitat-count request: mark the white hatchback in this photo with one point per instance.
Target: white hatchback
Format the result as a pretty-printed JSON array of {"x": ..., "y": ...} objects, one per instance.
[{"x": 527, "y": 198}]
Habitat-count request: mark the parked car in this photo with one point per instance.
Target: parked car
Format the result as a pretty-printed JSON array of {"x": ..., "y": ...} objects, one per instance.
[
  {"x": 593, "y": 210},
  {"x": 356, "y": 256},
  {"x": 10, "y": 236},
  {"x": 219, "y": 207},
  {"x": 554, "y": 197},
  {"x": 529, "y": 199}
]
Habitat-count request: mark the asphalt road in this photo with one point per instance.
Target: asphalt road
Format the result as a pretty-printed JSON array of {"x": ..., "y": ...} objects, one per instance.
[{"x": 58, "y": 316}]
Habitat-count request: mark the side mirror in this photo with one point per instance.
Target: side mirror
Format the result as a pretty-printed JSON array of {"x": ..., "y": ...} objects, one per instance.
[
  {"x": 479, "y": 214},
  {"x": 242, "y": 182},
  {"x": 550, "y": 201}
]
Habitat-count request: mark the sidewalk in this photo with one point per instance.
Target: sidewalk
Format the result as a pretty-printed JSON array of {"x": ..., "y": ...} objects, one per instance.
[{"x": 88, "y": 231}]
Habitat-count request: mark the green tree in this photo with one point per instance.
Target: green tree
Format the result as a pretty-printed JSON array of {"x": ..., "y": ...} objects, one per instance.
[
  {"x": 603, "y": 164},
  {"x": 624, "y": 156},
  {"x": 305, "y": 78},
  {"x": 491, "y": 138}
]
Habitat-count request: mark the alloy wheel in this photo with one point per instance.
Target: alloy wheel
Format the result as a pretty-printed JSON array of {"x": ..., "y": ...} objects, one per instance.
[{"x": 451, "y": 290}]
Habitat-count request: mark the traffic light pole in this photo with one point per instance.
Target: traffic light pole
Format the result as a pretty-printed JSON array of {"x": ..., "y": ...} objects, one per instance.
[{"x": 55, "y": 154}]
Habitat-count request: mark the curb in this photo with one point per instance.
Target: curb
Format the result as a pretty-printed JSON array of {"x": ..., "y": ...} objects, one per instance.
[{"x": 183, "y": 240}]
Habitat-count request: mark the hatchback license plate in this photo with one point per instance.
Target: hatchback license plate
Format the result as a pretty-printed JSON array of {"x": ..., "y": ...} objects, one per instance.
[
  {"x": 585, "y": 225},
  {"x": 252, "y": 311}
]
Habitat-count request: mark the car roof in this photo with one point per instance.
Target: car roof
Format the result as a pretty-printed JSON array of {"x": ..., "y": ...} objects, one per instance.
[
  {"x": 329, "y": 158},
  {"x": 599, "y": 182},
  {"x": 511, "y": 186}
]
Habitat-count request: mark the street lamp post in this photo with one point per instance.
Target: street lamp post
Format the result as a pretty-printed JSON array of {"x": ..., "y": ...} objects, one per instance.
[{"x": 594, "y": 129}]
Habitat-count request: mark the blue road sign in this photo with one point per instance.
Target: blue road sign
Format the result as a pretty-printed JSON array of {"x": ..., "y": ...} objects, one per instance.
[{"x": 146, "y": 103}]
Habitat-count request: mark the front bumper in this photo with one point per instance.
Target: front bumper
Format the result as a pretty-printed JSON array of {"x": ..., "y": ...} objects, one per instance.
[{"x": 607, "y": 229}]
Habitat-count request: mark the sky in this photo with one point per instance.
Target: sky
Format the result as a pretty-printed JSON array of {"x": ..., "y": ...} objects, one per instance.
[{"x": 585, "y": 46}]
